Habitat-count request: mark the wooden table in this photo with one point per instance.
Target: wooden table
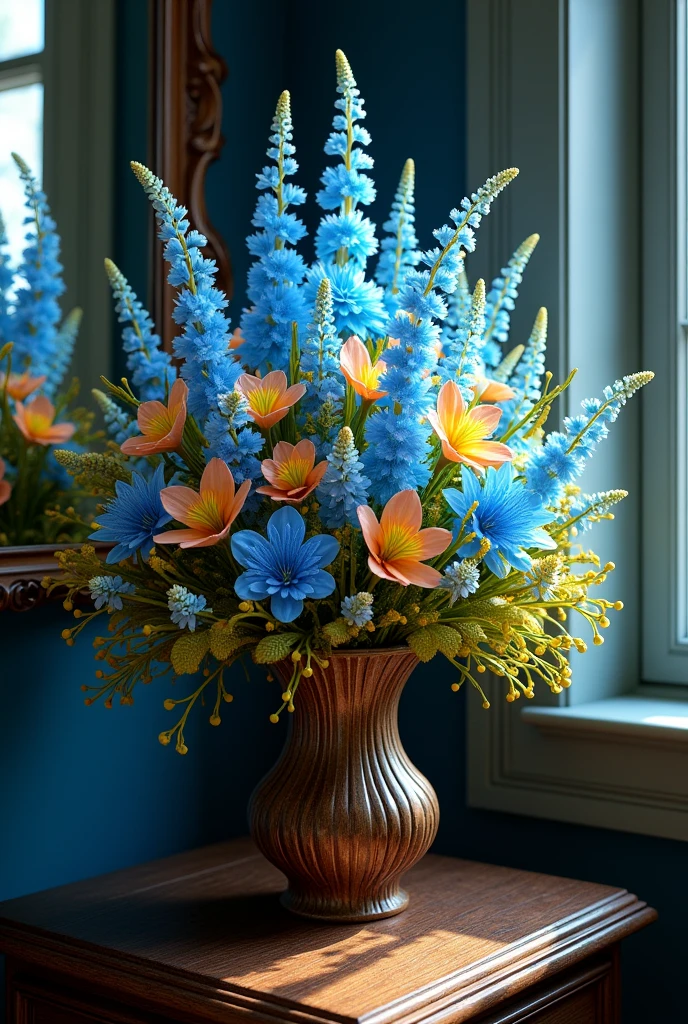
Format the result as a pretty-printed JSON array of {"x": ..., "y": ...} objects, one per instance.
[{"x": 200, "y": 937}]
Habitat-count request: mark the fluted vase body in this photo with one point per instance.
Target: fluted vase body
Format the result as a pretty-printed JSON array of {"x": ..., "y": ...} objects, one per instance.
[{"x": 344, "y": 813}]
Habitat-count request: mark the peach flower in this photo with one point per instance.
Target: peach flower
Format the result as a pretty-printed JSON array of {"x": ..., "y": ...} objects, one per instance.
[
  {"x": 269, "y": 399},
  {"x": 492, "y": 390},
  {"x": 237, "y": 339},
  {"x": 359, "y": 371},
  {"x": 20, "y": 385},
  {"x": 208, "y": 514},
  {"x": 5, "y": 485},
  {"x": 291, "y": 472},
  {"x": 35, "y": 421},
  {"x": 397, "y": 545},
  {"x": 161, "y": 427},
  {"x": 463, "y": 431}
]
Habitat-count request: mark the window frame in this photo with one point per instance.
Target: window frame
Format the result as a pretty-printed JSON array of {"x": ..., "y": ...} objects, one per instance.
[{"x": 563, "y": 87}]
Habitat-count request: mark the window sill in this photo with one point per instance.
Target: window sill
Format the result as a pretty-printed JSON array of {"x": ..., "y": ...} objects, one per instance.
[{"x": 635, "y": 717}]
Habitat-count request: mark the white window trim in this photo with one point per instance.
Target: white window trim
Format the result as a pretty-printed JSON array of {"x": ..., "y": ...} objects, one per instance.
[
  {"x": 78, "y": 66},
  {"x": 553, "y": 88}
]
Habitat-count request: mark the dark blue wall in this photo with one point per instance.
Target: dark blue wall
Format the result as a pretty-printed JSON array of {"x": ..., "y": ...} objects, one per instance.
[{"x": 86, "y": 790}]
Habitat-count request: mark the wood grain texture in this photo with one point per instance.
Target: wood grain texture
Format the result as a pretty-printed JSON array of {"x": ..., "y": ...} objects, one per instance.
[
  {"x": 23, "y": 568},
  {"x": 204, "y": 933},
  {"x": 186, "y": 132},
  {"x": 354, "y": 814}
]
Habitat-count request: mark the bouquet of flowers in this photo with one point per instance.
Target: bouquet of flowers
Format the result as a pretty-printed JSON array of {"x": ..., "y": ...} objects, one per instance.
[
  {"x": 36, "y": 346},
  {"x": 361, "y": 463}
]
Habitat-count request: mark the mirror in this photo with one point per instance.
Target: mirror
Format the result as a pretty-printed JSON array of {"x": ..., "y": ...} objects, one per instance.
[{"x": 84, "y": 88}]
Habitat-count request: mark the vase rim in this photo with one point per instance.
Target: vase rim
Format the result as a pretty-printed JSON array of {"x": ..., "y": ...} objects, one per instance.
[{"x": 357, "y": 652}]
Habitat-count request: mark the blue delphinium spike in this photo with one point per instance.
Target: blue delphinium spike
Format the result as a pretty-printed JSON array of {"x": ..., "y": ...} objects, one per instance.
[
  {"x": 463, "y": 350},
  {"x": 64, "y": 351},
  {"x": 346, "y": 239},
  {"x": 36, "y": 309},
  {"x": 561, "y": 459},
  {"x": 344, "y": 487},
  {"x": 277, "y": 301},
  {"x": 231, "y": 438},
  {"x": 526, "y": 378},
  {"x": 320, "y": 365},
  {"x": 119, "y": 425},
  {"x": 204, "y": 342},
  {"x": 398, "y": 438},
  {"x": 152, "y": 372},
  {"x": 399, "y": 246},
  {"x": 501, "y": 300},
  {"x": 6, "y": 279}
]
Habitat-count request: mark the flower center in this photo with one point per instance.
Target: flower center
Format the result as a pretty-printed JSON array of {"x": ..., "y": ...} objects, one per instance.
[
  {"x": 263, "y": 400},
  {"x": 464, "y": 432},
  {"x": 399, "y": 542},
  {"x": 204, "y": 514},
  {"x": 293, "y": 473}
]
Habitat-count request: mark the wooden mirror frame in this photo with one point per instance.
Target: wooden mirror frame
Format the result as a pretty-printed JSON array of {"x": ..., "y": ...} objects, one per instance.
[{"x": 185, "y": 117}]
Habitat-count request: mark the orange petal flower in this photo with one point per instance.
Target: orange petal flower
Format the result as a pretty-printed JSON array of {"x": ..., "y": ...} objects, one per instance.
[
  {"x": 35, "y": 421},
  {"x": 237, "y": 339},
  {"x": 269, "y": 399},
  {"x": 463, "y": 432},
  {"x": 208, "y": 514},
  {"x": 20, "y": 385},
  {"x": 161, "y": 427},
  {"x": 356, "y": 366},
  {"x": 397, "y": 545},
  {"x": 291, "y": 472},
  {"x": 5, "y": 485},
  {"x": 493, "y": 391}
]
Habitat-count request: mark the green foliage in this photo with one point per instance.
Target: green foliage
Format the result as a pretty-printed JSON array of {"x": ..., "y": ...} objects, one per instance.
[
  {"x": 274, "y": 647},
  {"x": 226, "y": 640},
  {"x": 188, "y": 652},
  {"x": 337, "y": 632},
  {"x": 428, "y": 640}
]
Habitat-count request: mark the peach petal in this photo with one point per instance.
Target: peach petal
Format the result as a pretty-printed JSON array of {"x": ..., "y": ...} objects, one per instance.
[
  {"x": 178, "y": 501},
  {"x": 416, "y": 573},
  {"x": 450, "y": 403},
  {"x": 59, "y": 433},
  {"x": 381, "y": 570},
  {"x": 178, "y": 396},
  {"x": 275, "y": 379},
  {"x": 292, "y": 395},
  {"x": 370, "y": 528},
  {"x": 488, "y": 415},
  {"x": 436, "y": 425},
  {"x": 177, "y": 536},
  {"x": 490, "y": 453},
  {"x": 493, "y": 391},
  {"x": 239, "y": 499},
  {"x": 403, "y": 509},
  {"x": 433, "y": 541}
]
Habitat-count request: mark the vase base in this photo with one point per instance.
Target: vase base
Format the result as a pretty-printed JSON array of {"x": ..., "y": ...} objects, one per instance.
[{"x": 318, "y": 910}]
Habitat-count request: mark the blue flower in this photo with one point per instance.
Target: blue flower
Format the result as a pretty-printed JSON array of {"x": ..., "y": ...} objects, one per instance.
[
  {"x": 108, "y": 590},
  {"x": 276, "y": 299},
  {"x": 461, "y": 579},
  {"x": 358, "y": 610},
  {"x": 397, "y": 452},
  {"x": 185, "y": 606},
  {"x": 357, "y": 304},
  {"x": 282, "y": 567},
  {"x": 501, "y": 300},
  {"x": 6, "y": 278},
  {"x": 36, "y": 309},
  {"x": 399, "y": 247},
  {"x": 150, "y": 366},
  {"x": 133, "y": 517},
  {"x": 343, "y": 487},
  {"x": 508, "y": 515}
]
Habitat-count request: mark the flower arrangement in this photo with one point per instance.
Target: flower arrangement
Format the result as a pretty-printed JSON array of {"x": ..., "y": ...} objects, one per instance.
[
  {"x": 36, "y": 346},
  {"x": 362, "y": 463}
]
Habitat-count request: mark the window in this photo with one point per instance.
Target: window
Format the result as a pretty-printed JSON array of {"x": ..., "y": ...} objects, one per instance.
[
  {"x": 590, "y": 100},
  {"x": 21, "y": 108}
]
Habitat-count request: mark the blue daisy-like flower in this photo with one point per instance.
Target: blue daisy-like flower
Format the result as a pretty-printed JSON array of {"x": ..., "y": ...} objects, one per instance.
[
  {"x": 132, "y": 518},
  {"x": 357, "y": 304},
  {"x": 281, "y": 567},
  {"x": 508, "y": 515}
]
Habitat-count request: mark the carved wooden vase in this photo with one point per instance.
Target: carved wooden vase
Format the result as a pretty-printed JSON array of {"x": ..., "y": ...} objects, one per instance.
[{"x": 344, "y": 813}]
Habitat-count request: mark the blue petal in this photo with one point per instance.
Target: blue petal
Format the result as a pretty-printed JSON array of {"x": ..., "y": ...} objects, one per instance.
[
  {"x": 249, "y": 548},
  {"x": 286, "y": 609},
  {"x": 250, "y": 588},
  {"x": 287, "y": 523},
  {"x": 323, "y": 548},
  {"x": 322, "y": 583}
]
